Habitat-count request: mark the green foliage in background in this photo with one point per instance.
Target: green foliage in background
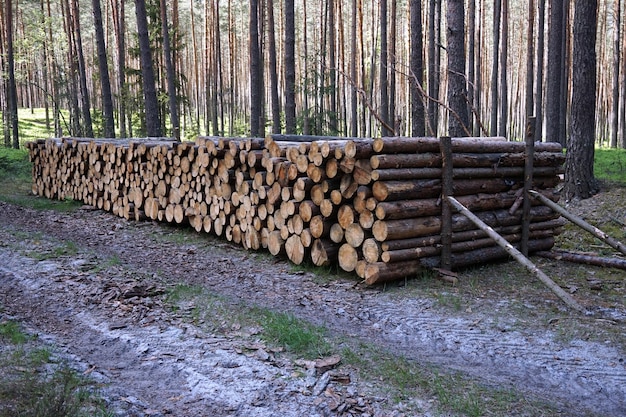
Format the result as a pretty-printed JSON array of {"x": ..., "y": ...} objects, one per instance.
[{"x": 610, "y": 165}]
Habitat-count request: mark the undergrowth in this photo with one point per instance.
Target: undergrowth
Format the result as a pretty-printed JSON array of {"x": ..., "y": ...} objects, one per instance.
[{"x": 36, "y": 384}]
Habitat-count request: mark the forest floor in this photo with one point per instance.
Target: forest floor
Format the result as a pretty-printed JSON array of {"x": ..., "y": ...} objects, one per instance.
[{"x": 169, "y": 322}]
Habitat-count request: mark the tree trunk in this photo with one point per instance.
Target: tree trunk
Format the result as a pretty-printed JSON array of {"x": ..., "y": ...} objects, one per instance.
[
  {"x": 354, "y": 122},
  {"x": 418, "y": 127},
  {"x": 384, "y": 80},
  {"x": 151, "y": 104},
  {"x": 530, "y": 60},
  {"x": 579, "y": 179},
  {"x": 495, "y": 71},
  {"x": 540, "y": 64},
  {"x": 471, "y": 56},
  {"x": 84, "y": 92},
  {"x": 12, "y": 93},
  {"x": 107, "y": 101},
  {"x": 392, "y": 69},
  {"x": 617, "y": 15},
  {"x": 554, "y": 73},
  {"x": 434, "y": 40},
  {"x": 273, "y": 70},
  {"x": 458, "y": 121},
  {"x": 290, "y": 68},
  {"x": 169, "y": 69},
  {"x": 120, "y": 32},
  {"x": 504, "y": 71},
  {"x": 332, "y": 63},
  {"x": 256, "y": 91}
]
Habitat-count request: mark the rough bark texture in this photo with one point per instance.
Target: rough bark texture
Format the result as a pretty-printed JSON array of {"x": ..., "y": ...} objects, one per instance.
[
  {"x": 105, "y": 82},
  {"x": 153, "y": 125},
  {"x": 458, "y": 120},
  {"x": 418, "y": 123},
  {"x": 169, "y": 69},
  {"x": 579, "y": 179},
  {"x": 255, "y": 71},
  {"x": 554, "y": 71}
]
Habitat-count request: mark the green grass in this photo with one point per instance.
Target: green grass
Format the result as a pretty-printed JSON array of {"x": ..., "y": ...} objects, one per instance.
[
  {"x": 12, "y": 332},
  {"x": 16, "y": 183},
  {"x": 610, "y": 165},
  {"x": 67, "y": 248},
  {"x": 32, "y": 125},
  {"x": 401, "y": 379},
  {"x": 35, "y": 384},
  {"x": 296, "y": 336}
]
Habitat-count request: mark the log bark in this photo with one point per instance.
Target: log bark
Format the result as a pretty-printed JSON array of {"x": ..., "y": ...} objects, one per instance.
[
  {"x": 380, "y": 272},
  {"x": 584, "y": 259}
]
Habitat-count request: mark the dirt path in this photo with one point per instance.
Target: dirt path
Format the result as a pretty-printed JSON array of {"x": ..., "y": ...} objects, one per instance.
[{"x": 157, "y": 364}]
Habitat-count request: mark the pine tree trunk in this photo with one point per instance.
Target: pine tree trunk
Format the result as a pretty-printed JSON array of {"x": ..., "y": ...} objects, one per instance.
[
  {"x": 471, "y": 64},
  {"x": 458, "y": 121},
  {"x": 120, "y": 34},
  {"x": 354, "y": 122},
  {"x": 540, "y": 65},
  {"x": 617, "y": 15},
  {"x": 273, "y": 70},
  {"x": 169, "y": 70},
  {"x": 418, "y": 127},
  {"x": 495, "y": 71},
  {"x": 392, "y": 69},
  {"x": 434, "y": 40},
  {"x": 504, "y": 70},
  {"x": 579, "y": 179},
  {"x": 290, "y": 68},
  {"x": 384, "y": 61},
  {"x": 84, "y": 92},
  {"x": 107, "y": 100},
  {"x": 256, "y": 96},
  {"x": 12, "y": 93},
  {"x": 530, "y": 59},
  {"x": 153, "y": 124},
  {"x": 554, "y": 72},
  {"x": 332, "y": 63}
]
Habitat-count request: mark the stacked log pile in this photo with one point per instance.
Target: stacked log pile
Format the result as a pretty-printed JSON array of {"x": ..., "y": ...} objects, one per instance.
[{"x": 371, "y": 206}]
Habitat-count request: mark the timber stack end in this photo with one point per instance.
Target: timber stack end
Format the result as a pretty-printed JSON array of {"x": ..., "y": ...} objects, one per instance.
[{"x": 372, "y": 206}]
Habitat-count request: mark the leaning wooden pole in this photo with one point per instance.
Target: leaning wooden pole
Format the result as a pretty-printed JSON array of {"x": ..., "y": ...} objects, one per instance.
[
  {"x": 565, "y": 297},
  {"x": 580, "y": 222}
]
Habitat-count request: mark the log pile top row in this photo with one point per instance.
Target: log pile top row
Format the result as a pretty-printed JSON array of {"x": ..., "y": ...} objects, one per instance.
[{"x": 369, "y": 205}]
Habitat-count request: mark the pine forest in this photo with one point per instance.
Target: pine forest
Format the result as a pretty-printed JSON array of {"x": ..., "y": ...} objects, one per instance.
[{"x": 358, "y": 68}]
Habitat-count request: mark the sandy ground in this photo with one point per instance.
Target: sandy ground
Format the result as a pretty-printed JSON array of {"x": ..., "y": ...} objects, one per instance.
[{"x": 113, "y": 323}]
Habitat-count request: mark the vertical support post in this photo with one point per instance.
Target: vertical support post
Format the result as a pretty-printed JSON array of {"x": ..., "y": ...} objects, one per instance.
[
  {"x": 528, "y": 182},
  {"x": 445, "y": 146}
]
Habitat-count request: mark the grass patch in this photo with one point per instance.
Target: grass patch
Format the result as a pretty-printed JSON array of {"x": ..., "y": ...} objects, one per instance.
[
  {"x": 12, "y": 332},
  {"x": 32, "y": 124},
  {"x": 68, "y": 248},
  {"x": 16, "y": 183},
  {"x": 33, "y": 384},
  {"x": 454, "y": 394},
  {"x": 400, "y": 378},
  {"x": 296, "y": 336},
  {"x": 610, "y": 165}
]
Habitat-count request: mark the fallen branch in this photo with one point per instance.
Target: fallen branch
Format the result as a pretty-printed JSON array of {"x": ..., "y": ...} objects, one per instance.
[{"x": 584, "y": 259}]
